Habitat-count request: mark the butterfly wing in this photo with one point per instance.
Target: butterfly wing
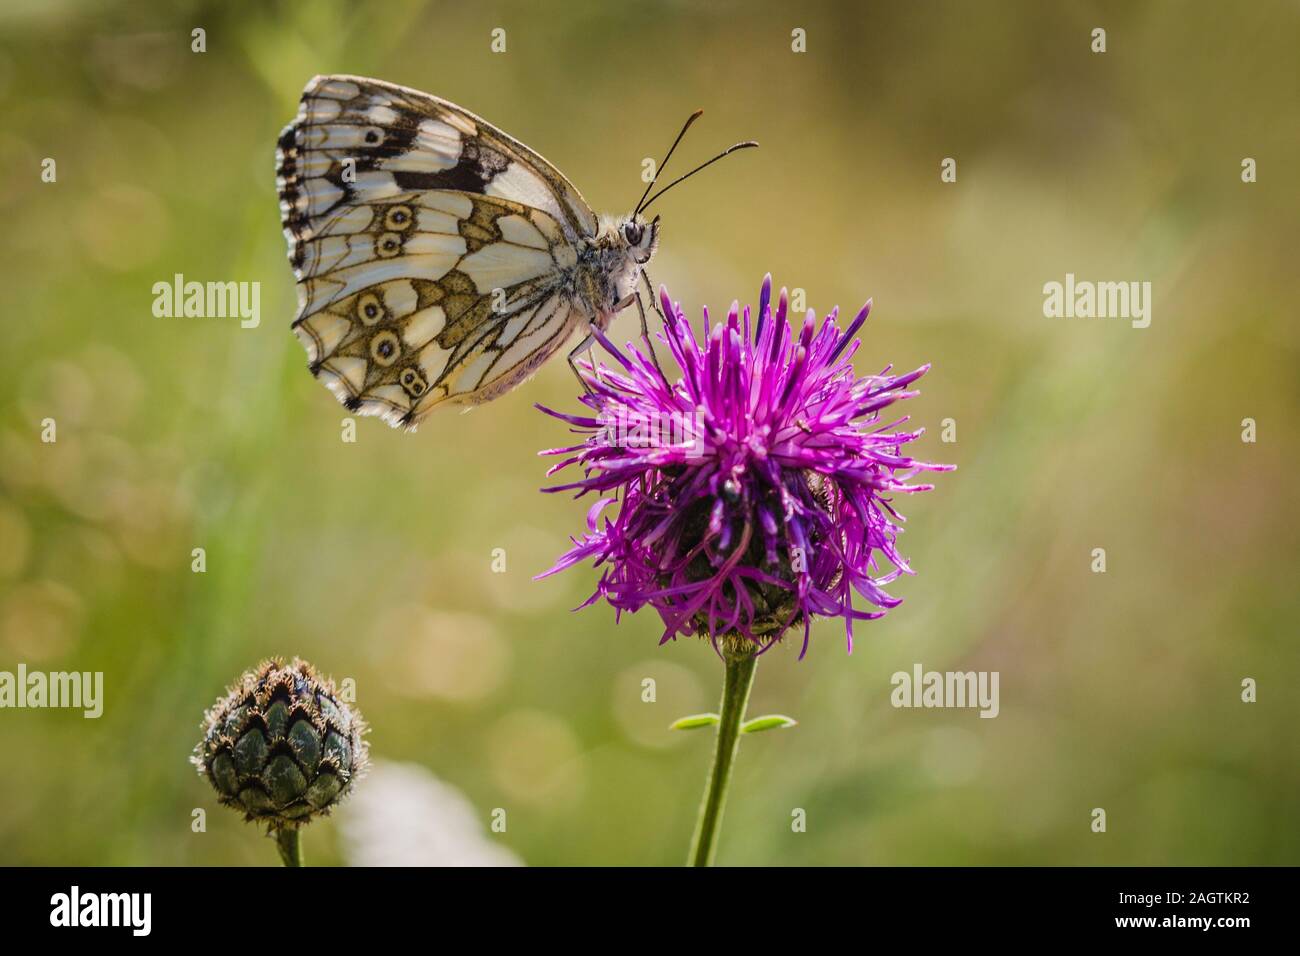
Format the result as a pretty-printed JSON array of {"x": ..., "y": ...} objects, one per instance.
[
  {"x": 357, "y": 139},
  {"x": 436, "y": 297},
  {"x": 430, "y": 248}
]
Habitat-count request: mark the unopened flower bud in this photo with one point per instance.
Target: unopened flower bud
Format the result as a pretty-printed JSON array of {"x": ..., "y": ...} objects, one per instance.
[{"x": 281, "y": 746}]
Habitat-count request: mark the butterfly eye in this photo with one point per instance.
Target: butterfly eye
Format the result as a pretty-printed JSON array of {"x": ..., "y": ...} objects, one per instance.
[{"x": 633, "y": 232}]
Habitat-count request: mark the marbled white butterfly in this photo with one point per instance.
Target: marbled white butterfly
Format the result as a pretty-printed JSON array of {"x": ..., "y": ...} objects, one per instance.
[{"x": 439, "y": 260}]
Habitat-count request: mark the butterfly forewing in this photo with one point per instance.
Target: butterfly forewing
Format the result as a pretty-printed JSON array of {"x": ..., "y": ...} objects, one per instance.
[{"x": 431, "y": 249}]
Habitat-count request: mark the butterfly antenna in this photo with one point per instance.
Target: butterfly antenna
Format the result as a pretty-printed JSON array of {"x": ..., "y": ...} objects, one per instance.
[
  {"x": 726, "y": 152},
  {"x": 660, "y": 168}
]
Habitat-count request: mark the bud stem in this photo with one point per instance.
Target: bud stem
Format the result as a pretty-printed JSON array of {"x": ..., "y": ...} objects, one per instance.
[
  {"x": 737, "y": 680},
  {"x": 286, "y": 841}
]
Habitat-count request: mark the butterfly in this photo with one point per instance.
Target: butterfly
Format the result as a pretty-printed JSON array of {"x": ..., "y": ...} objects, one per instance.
[{"x": 439, "y": 260}]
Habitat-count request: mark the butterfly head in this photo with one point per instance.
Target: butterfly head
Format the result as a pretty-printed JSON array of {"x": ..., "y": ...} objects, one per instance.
[{"x": 641, "y": 237}]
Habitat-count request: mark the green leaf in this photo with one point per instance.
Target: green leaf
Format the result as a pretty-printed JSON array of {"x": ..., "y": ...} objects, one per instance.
[
  {"x": 767, "y": 722},
  {"x": 694, "y": 720}
]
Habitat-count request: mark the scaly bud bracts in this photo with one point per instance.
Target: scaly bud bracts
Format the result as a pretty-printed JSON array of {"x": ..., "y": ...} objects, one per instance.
[{"x": 281, "y": 746}]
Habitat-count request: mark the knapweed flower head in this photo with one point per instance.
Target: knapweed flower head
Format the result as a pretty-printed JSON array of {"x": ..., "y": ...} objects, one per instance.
[
  {"x": 281, "y": 745},
  {"x": 751, "y": 493}
]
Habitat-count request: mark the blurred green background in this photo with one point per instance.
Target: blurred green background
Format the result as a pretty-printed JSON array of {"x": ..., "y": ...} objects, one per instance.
[{"x": 373, "y": 560}]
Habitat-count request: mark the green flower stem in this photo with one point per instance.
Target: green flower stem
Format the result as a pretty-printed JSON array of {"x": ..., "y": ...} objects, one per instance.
[
  {"x": 738, "y": 679},
  {"x": 286, "y": 841}
]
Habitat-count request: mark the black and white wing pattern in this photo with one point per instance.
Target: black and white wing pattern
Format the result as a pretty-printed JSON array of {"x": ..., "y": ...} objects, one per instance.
[{"x": 433, "y": 253}]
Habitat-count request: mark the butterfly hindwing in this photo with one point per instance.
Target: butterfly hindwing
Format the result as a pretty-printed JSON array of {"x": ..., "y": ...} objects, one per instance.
[{"x": 432, "y": 297}]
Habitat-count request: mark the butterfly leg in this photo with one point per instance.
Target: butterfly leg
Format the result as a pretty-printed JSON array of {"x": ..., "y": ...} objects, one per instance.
[
  {"x": 584, "y": 346},
  {"x": 654, "y": 301},
  {"x": 645, "y": 333}
]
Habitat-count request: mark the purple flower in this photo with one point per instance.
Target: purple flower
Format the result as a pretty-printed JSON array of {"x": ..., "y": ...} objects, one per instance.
[{"x": 754, "y": 491}]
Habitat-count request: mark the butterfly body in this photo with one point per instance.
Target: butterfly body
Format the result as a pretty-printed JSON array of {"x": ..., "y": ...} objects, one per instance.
[
  {"x": 609, "y": 264},
  {"x": 437, "y": 259}
]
